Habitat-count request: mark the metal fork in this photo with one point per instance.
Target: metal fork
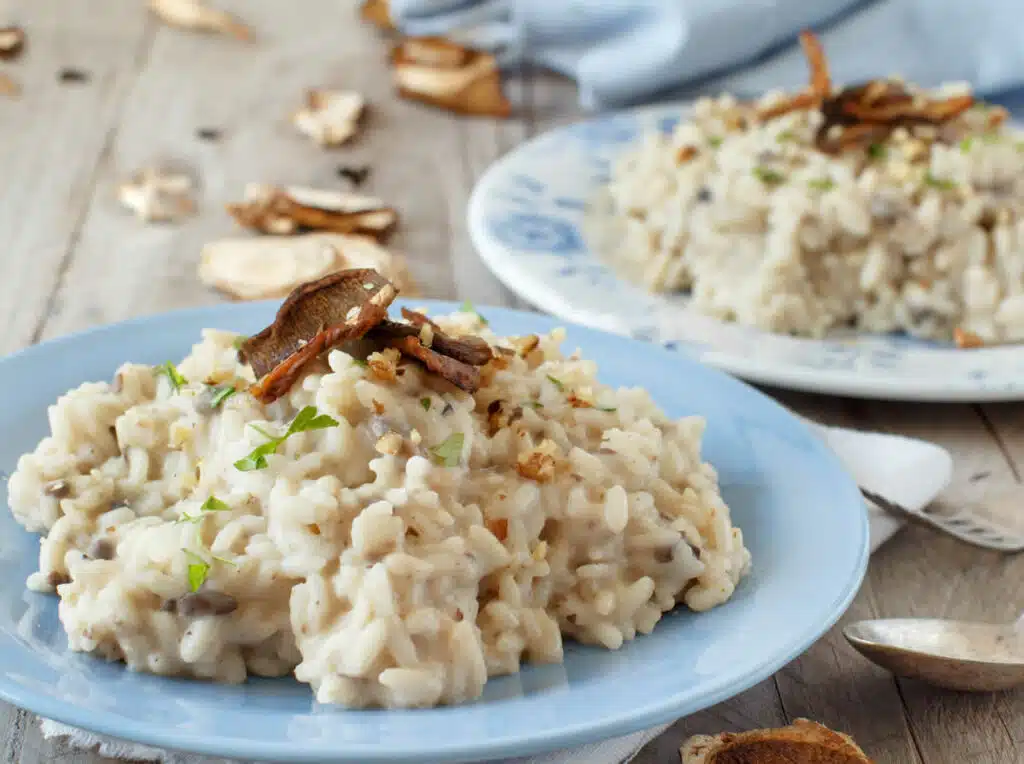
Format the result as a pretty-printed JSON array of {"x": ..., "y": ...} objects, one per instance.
[{"x": 963, "y": 525}]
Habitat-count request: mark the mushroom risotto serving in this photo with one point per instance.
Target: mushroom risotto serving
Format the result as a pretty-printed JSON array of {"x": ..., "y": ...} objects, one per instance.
[
  {"x": 881, "y": 206},
  {"x": 392, "y": 510}
]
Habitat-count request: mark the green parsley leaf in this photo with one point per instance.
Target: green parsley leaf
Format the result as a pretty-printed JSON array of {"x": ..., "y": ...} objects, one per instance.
[
  {"x": 306, "y": 420},
  {"x": 467, "y": 307},
  {"x": 715, "y": 141},
  {"x": 220, "y": 394},
  {"x": 822, "y": 184},
  {"x": 940, "y": 183},
  {"x": 534, "y": 404},
  {"x": 177, "y": 381},
  {"x": 965, "y": 144},
  {"x": 449, "y": 453},
  {"x": 557, "y": 383},
  {"x": 360, "y": 362},
  {"x": 213, "y": 504},
  {"x": 239, "y": 341},
  {"x": 425, "y": 403},
  {"x": 769, "y": 176},
  {"x": 785, "y": 136},
  {"x": 991, "y": 137},
  {"x": 877, "y": 151},
  {"x": 198, "y": 570}
]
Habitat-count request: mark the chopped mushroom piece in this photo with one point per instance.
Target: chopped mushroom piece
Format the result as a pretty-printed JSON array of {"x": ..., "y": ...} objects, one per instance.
[
  {"x": 261, "y": 268},
  {"x": 316, "y": 316},
  {"x": 291, "y": 209},
  {"x": 12, "y": 42},
  {"x": 440, "y": 73},
  {"x": 196, "y": 15},
  {"x": 802, "y": 742},
  {"x": 155, "y": 194},
  {"x": 462, "y": 375},
  {"x": 330, "y": 117},
  {"x": 378, "y": 13},
  {"x": 202, "y": 602}
]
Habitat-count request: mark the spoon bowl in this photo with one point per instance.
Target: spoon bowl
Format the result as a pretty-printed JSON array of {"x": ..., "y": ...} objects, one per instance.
[{"x": 957, "y": 655}]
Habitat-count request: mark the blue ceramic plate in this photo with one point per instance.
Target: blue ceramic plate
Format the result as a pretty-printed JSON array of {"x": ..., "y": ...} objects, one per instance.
[
  {"x": 801, "y": 515},
  {"x": 532, "y": 218}
]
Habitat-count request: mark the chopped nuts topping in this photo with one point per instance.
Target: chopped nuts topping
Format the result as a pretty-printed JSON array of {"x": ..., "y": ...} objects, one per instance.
[
  {"x": 156, "y": 194},
  {"x": 440, "y": 73},
  {"x": 539, "y": 463},
  {"x": 378, "y": 13},
  {"x": 389, "y": 444},
  {"x": 196, "y": 15},
  {"x": 285, "y": 211},
  {"x": 384, "y": 364},
  {"x": 967, "y": 340},
  {"x": 257, "y": 269},
  {"x": 8, "y": 86},
  {"x": 525, "y": 345},
  {"x": 12, "y": 42},
  {"x": 330, "y": 117}
]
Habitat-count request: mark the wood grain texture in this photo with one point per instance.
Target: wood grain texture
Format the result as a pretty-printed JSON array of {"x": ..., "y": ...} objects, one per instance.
[{"x": 73, "y": 258}]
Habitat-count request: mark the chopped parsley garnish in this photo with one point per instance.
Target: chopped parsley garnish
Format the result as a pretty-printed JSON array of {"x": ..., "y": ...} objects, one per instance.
[
  {"x": 877, "y": 151},
  {"x": 306, "y": 420},
  {"x": 220, "y": 394},
  {"x": 534, "y": 404},
  {"x": 169, "y": 370},
  {"x": 425, "y": 403},
  {"x": 239, "y": 341},
  {"x": 769, "y": 176},
  {"x": 449, "y": 453},
  {"x": 557, "y": 383},
  {"x": 941, "y": 183},
  {"x": 213, "y": 504},
  {"x": 991, "y": 137},
  {"x": 785, "y": 135},
  {"x": 198, "y": 570},
  {"x": 822, "y": 184},
  {"x": 715, "y": 141},
  {"x": 360, "y": 362},
  {"x": 965, "y": 144},
  {"x": 467, "y": 307}
]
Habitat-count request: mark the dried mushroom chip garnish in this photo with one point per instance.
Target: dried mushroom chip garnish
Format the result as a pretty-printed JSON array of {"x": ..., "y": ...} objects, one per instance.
[
  {"x": 340, "y": 307},
  {"x": 462, "y": 375},
  {"x": 12, "y": 42},
  {"x": 158, "y": 194},
  {"x": 196, "y": 15},
  {"x": 802, "y": 742},
  {"x": 378, "y": 13},
  {"x": 292, "y": 209},
  {"x": 441, "y": 73},
  {"x": 330, "y": 117},
  {"x": 261, "y": 268}
]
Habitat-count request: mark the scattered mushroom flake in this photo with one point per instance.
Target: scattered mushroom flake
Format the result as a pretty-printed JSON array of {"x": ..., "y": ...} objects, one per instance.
[
  {"x": 156, "y": 194},
  {"x": 330, "y": 117},
  {"x": 470, "y": 350},
  {"x": 266, "y": 267},
  {"x": 12, "y": 42},
  {"x": 440, "y": 73},
  {"x": 196, "y": 15},
  {"x": 802, "y": 741},
  {"x": 378, "y": 13},
  {"x": 288, "y": 210},
  {"x": 316, "y": 316},
  {"x": 462, "y": 375}
]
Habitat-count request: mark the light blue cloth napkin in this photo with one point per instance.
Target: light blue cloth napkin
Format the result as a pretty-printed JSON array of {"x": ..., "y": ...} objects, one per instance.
[{"x": 627, "y": 51}]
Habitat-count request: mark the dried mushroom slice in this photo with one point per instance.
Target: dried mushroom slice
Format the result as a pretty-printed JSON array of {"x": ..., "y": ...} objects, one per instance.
[
  {"x": 197, "y": 16},
  {"x": 267, "y": 267},
  {"x": 330, "y": 117},
  {"x": 12, "y": 42},
  {"x": 337, "y": 308},
  {"x": 446, "y": 75},
  {"x": 158, "y": 194},
  {"x": 802, "y": 742},
  {"x": 462, "y": 375},
  {"x": 378, "y": 13},
  {"x": 285, "y": 211}
]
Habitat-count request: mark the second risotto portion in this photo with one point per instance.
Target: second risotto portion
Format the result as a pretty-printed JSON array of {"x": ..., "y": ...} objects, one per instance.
[{"x": 389, "y": 538}]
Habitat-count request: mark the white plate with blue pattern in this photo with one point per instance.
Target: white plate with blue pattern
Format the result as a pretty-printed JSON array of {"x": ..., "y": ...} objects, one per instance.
[{"x": 528, "y": 220}]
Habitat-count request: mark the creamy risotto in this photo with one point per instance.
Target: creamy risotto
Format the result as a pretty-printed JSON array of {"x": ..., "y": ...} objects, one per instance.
[
  {"x": 389, "y": 538},
  {"x": 880, "y": 207}
]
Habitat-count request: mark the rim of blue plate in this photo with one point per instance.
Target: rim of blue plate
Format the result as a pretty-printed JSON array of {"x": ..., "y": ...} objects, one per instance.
[{"x": 663, "y": 710}]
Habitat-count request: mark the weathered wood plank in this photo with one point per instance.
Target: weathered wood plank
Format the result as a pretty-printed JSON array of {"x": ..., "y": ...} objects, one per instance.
[{"x": 51, "y": 141}]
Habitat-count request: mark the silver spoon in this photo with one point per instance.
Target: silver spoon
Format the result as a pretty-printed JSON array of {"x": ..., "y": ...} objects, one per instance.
[{"x": 958, "y": 655}]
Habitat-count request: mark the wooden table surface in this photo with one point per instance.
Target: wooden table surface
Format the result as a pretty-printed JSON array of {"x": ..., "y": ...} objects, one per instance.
[{"x": 70, "y": 257}]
